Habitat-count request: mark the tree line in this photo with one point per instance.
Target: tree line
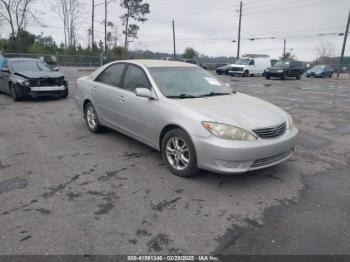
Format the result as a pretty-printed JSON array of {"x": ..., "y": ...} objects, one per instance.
[{"x": 18, "y": 14}]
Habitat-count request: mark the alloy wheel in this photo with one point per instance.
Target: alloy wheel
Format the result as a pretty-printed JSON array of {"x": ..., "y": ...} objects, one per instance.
[
  {"x": 178, "y": 153},
  {"x": 91, "y": 117}
]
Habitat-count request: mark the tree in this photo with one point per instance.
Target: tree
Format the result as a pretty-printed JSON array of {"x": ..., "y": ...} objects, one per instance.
[
  {"x": 190, "y": 53},
  {"x": 70, "y": 14},
  {"x": 325, "y": 50},
  {"x": 287, "y": 56},
  {"x": 135, "y": 10},
  {"x": 16, "y": 13}
]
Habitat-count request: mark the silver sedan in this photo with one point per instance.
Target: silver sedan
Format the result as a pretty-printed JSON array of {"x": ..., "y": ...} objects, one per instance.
[{"x": 194, "y": 120}]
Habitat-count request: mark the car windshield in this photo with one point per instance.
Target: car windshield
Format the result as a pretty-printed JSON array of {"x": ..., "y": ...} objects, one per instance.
[
  {"x": 282, "y": 63},
  {"x": 319, "y": 67},
  {"x": 187, "y": 82},
  {"x": 242, "y": 61},
  {"x": 30, "y": 66}
]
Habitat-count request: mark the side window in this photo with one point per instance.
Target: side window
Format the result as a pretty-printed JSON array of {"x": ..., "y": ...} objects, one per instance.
[
  {"x": 112, "y": 75},
  {"x": 135, "y": 77},
  {"x": 251, "y": 62}
]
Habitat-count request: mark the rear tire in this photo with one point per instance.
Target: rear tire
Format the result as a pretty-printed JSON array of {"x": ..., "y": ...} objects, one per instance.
[
  {"x": 331, "y": 75},
  {"x": 91, "y": 118},
  {"x": 179, "y": 154},
  {"x": 267, "y": 77}
]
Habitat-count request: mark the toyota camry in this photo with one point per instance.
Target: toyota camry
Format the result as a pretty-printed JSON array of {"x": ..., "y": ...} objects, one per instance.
[{"x": 193, "y": 119}]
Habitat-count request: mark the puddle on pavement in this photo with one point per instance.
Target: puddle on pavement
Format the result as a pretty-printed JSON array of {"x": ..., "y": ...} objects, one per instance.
[{"x": 12, "y": 184}]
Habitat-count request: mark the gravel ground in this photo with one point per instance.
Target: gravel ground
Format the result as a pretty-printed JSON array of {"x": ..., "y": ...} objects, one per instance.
[{"x": 64, "y": 190}]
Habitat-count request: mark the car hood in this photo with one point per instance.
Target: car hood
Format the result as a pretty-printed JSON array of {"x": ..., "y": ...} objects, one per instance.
[
  {"x": 234, "y": 65},
  {"x": 238, "y": 110},
  {"x": 315, "y": 70},
  {"x": 279, "y": 68},
  {"x": 40, "y": 74}
]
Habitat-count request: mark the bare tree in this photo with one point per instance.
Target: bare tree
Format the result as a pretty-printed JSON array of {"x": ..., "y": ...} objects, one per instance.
[
  {"x": 16, "y": 13},
  {"x": 325, "y": 49},
  {"x": 70, "y": 14}
]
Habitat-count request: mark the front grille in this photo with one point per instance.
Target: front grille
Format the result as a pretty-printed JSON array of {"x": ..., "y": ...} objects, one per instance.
[
  {"x": 236, "y": 69},
  {"x": 47, "y": 82},
  {"x": 271, "y": 132},
  {"x": 270, "y": 160}
]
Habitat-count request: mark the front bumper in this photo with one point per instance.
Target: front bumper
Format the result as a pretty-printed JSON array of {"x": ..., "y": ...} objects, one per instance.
[
  {"x": 236, "y": 73},
  {"x": 38, "y": 91},
  {"x": 313, "y": 75},
  {"x": 274, "y": 74},
  {"x": 226, "y": 157}
]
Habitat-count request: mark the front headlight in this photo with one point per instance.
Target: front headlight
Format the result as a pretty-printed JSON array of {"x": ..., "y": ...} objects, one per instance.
[
  {"x": 23, "y": 82},
  {"x": 290, "y": 122},
  {"x": 228, "y": 132}
]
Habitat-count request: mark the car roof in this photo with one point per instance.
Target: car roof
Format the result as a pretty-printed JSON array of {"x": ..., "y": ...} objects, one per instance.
[
  {"x": 158, "y": 63},
  {"x": 21, "y": 59}
]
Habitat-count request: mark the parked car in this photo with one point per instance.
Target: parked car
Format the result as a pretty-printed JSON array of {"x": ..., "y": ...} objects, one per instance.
[
  {"x": 183, "y": 111},
  {"x": 223, "y": 69},
  {"x": 284, "y": 68},
  {"x": 21, "y": 77},
  {"x": 320, "y": 71},
  {"x": 249, "y": 66}
]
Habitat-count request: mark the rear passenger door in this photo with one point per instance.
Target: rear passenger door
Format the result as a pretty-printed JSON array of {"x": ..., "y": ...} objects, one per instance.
[{"x": 106, "y": 93}]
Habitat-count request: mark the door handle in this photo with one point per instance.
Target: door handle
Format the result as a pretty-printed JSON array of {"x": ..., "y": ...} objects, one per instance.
[{"x": 121, "y": 99}]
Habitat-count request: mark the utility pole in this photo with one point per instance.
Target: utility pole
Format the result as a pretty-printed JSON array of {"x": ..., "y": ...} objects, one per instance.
[
  {"x": 106, "y": 27},
  {"x": 239, "y": 29},
  {"x": 174, "y": 40},
  {"x": 92, "y": 25},
  {"x": 284, "y": 47},
  {"x": 344, "y": 44}
]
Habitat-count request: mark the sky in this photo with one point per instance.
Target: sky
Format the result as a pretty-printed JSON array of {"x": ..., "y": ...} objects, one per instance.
[{"x": 210, "y": 26}]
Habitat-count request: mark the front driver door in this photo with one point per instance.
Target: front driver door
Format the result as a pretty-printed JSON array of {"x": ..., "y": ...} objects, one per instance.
[
  {"x": 4, "y": 79},
  {"x": 139, "y": 114}
]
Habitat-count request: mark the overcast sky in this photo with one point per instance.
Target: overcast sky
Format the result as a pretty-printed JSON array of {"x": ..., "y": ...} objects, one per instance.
[{"x": 209, "y": 26}]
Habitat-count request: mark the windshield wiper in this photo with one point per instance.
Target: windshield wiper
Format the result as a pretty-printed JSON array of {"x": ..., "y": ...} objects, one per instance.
[
  {"x": 216, "y": 94},
  {"x": 182, "y": 96}
]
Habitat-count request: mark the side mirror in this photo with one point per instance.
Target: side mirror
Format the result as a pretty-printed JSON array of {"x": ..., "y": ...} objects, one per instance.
[
  {"x": 54, "y": 68},
  {"x": 144, "y": 92}
]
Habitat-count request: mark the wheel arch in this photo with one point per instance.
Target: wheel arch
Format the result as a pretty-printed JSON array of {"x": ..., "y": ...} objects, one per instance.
[
  {"x": 166, "y": 129},
  {"x": 86, "y": 101}
]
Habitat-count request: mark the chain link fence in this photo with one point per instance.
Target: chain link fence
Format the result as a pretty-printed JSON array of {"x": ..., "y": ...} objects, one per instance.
[{"x": 62, "y": 60}]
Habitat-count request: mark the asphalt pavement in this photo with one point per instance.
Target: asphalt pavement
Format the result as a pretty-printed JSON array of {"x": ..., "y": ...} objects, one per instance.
[{"x": 64, "y": 190}]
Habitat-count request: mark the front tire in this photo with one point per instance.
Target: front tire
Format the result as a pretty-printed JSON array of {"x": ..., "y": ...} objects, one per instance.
[
  {"x": 14, "y": 93},
  {"x": 65, "y": 94},
  {"x": 91, "y": 118},
  {"x": 179, "y": 154},
  {"x": 298, "y": 77},
  {"x": 246, "y": 73}
]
